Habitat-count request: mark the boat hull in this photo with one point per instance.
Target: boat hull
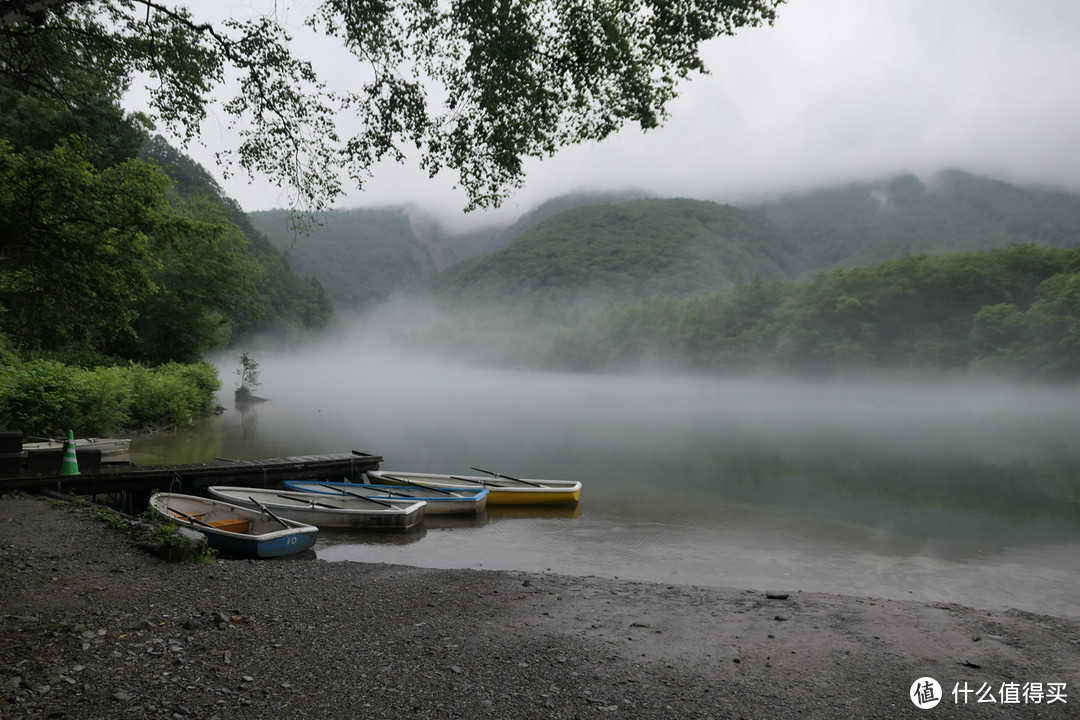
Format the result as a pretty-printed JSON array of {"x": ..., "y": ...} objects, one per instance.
[
  {"x": 112, "y": 449},
  {"x": 501, "y": 491},
  {"x": 466, "y": 501},
  {"x": 262, "y": 537},
  {"x": 330, "y": 511}
]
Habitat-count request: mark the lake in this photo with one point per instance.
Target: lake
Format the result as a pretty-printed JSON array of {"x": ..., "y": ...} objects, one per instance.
[{"x": 963, "y": 491}]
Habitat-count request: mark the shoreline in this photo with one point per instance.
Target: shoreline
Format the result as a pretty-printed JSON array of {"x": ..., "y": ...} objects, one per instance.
[{"x": 95, "y": 627}]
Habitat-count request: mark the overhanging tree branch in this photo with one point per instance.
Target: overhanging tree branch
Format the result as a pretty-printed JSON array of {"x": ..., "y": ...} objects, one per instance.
[{"x": 475, "y": 86}]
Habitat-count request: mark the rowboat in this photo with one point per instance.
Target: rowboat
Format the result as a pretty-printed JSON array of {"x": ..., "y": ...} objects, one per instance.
[
  {"x": 234, "y": 530},
  {"x": 112, "y": 449},
  {"x": 502, "y": 490},
  {"x": 344, "y": 511},
  {"x": 464, "y": 501}
]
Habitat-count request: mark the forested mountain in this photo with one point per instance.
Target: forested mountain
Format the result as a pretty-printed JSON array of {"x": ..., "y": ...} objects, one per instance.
[
  {"x": 359, "y": 256},
  {"x": 953, "y": 211},
  {"x": 678, "y": 248},
  {"x": 959, "y": 274},
  {"x": 363, "y": 255},
  {"x": 234, "y": 262},
  {"x": 562, "y": 204},
  {"x": 623, "y": 251},
  {"x": 1014, "y": 311},
  {"x": 579, "y": 244}
]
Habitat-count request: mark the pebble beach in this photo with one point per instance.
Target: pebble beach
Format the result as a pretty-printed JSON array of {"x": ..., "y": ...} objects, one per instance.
[{"x": 96, "y": 626}]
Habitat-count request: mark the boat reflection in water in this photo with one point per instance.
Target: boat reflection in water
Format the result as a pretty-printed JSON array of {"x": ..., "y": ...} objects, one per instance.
[
  {"x": 341, "y": 537},
  {"x": 440, "y": 526},
  {"x": 496, "y": 513}
]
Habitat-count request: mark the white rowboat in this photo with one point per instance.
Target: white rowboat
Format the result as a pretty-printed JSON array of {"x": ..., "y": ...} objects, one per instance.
[
  {"x": 464, "y": 501},
  {"x": 341, "y": 511}
]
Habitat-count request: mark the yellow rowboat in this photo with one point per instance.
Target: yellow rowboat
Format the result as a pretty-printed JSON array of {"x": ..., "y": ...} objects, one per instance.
[{"x": 502, "y": 490}]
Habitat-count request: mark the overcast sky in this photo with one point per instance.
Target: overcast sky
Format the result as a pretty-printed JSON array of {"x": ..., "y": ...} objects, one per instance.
[{"x": 836, "y": 90}]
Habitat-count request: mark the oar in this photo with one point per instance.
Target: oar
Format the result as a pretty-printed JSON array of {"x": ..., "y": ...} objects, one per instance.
[
  {"x": 362, "y": 497},
  {"x": 270, "y": 513},
  {"x": 311, "y": 502},
  {"x": 190, "y": 518},
  {"x": 403, "y": 481},
  {"x": 465, "y": 479},
  {"x": 499, "y": 475}
]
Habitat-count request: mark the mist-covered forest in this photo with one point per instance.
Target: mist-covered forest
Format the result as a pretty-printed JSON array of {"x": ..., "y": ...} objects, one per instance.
[{"x": 953, "y": 273}]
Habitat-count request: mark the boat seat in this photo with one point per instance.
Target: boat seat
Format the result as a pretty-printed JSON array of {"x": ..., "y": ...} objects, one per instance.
[{"x": 236, "y": 525}]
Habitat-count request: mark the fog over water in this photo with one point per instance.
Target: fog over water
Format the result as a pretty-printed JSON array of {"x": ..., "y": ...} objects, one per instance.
[{"x": 964, "y": 492}]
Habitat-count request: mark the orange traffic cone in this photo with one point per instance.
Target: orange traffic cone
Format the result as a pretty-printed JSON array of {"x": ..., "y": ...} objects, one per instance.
[{"x": 70, "y": 465}]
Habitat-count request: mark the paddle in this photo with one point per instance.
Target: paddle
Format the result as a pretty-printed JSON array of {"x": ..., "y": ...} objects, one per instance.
[
  {"x": 403, "y": 481},
  {"x": 311, "y": 502},
  {"x": 268, "y": 512},
  {"x": 465, "y": 479},
  {"x": 499, "y": 475},
  {"x": 362, "y": 497},
  {"x": 189, "y": 518}
]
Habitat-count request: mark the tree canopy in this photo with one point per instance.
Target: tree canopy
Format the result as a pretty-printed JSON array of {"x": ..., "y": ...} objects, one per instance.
[{"x": 473, "y": 86}]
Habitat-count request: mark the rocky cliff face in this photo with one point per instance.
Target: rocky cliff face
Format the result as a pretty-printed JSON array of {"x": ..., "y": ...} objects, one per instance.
[{"x": 434, "y": 248}]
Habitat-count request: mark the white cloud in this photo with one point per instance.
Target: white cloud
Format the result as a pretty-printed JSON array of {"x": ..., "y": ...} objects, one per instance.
[{"x": 837, "y": 90}]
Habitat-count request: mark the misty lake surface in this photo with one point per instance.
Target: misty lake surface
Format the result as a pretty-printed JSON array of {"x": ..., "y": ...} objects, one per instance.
[{"x": 964, "y": 492}]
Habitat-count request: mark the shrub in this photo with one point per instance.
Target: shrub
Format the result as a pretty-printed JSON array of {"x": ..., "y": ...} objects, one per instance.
[
  {"x": 47, "y": 398},
  {"x": 173, "y": 394},
  {"x": 41, "y": 397}
]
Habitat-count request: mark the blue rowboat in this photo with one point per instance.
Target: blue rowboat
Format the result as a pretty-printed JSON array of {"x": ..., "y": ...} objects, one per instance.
[
  {"x": 463, "y": 501},
  {"x": 235, "y": 530}
]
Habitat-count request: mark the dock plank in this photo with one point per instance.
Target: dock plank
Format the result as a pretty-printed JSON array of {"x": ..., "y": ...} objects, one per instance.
[{"x": 192, "y": 478}]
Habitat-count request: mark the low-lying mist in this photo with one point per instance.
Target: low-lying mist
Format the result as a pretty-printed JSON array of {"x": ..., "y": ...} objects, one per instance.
[
  {"x": 959, "y": 491},
  {"x": 394, "y": 390}
]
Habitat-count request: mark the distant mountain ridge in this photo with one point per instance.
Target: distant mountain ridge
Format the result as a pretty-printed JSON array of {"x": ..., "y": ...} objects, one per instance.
[
  {"x": 622, "y": 244},
  {"x": 634, "y": 249}
]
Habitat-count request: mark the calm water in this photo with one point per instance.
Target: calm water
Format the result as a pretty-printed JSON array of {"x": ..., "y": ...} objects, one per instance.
[{"x": 957, "y": 492}]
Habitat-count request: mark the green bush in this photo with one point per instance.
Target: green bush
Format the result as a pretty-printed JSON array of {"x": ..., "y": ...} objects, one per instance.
[
  {"x": 47, "y": 398},
  {"x": 41, "y": 398},
  {"x": 108, "y": 401},
  {"x": 173, "y": 394}
]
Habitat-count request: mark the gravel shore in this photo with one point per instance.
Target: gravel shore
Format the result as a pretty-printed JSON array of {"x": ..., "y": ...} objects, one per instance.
[{"x": 94, "y": 626}]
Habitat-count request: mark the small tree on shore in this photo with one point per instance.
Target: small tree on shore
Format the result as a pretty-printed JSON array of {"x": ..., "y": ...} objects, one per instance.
[{"x": 248, "y": 372}]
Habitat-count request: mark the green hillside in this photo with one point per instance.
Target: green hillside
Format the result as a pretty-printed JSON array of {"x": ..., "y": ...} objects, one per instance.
[
  {"x": 1014, "y": 311},
  {"x": 622, "y": 251},
  {"x": 611, "y": 247},
  {"x": 359, "y": 256},
  {"x": 956, "y": 274},
  {"x": 1046, "y": 217},
  {"x": 561, "y": 204},
  {"x": 955, "y": 211},
  {"x": 679, "y": 248}
]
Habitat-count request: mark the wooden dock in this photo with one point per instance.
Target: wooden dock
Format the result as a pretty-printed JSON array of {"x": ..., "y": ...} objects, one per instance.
[{"x": 192, "y": 479}]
